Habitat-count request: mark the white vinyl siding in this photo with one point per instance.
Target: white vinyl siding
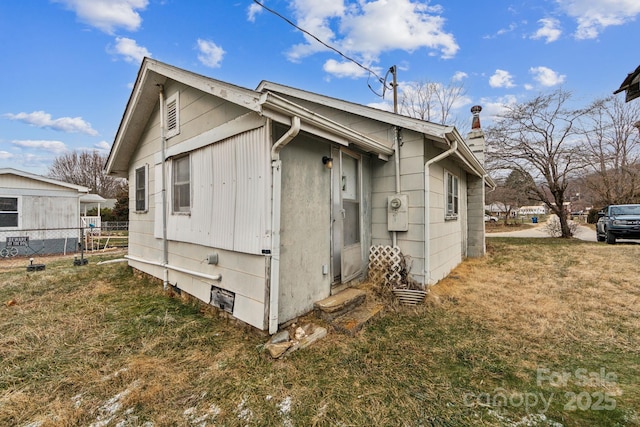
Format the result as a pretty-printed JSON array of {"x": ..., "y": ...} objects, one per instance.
[
  {"x": 172, "y": 112},
  {"x": 452, "y": 192}
]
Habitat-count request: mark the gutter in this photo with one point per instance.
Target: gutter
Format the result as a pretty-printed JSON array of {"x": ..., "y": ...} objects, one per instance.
[
  {"x": 427, "y": 204},
  {"x": 287, "y": 108},
  {"x": 276, "y": 198}
]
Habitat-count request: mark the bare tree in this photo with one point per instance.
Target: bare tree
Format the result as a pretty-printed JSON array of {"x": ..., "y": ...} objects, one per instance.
[
  {"x": 431, "y": 101},
  {"x": 540, "y": 137},
  {"x": 86, "y": 169},
  {"x": 612, "y": 151}
]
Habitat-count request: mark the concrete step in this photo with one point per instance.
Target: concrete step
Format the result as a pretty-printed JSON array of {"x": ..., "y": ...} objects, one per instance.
[
  {"x": 337, "y": 305},
  {"x": 352, "y": 322}
]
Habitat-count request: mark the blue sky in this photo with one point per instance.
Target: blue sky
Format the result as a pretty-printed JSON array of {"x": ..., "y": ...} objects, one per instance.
[{"x": 68, "y": 65}]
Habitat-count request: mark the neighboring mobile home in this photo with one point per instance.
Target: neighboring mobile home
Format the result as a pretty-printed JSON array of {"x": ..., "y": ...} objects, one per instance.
[
  {"x": 262, "y": 202},
  {"x": 42, "y": 212}
]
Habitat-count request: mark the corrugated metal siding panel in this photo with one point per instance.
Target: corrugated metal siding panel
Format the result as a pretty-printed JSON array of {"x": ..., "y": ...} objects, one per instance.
[
  {"x": 253, "y": 196},
  {"x": 214, "y": 202},
  {"x": 230, "y": 196}
]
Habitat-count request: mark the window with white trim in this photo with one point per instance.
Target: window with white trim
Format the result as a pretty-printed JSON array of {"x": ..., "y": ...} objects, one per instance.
[
  {"x": 452, "y": 188},
  {"x": 8, "y": 212},
  {"x": 181, "y": 193},
  {"x": 172, "y": 115},
  {"x": 142, "y": 185}
]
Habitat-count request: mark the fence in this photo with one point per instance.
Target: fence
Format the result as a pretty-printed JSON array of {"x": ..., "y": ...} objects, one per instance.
[{"x": 61, "y": 241}]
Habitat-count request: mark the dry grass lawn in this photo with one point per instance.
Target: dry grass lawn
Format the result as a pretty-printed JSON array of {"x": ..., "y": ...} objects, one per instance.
[{"x": 541, "y": 332}]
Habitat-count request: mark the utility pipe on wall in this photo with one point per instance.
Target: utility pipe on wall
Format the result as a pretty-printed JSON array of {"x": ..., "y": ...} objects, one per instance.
[
  {"x": 396, "y": 155},
  {"x": 214, "y": 277},
  {"x": 427, "y": 244},
  {"x": 396, "y": 142},
  {"x": 163, "y": 142},
  {"x": 276, "y": 172}
]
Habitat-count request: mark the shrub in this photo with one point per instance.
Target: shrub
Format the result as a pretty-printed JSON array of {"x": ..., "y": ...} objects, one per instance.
[
  {"x": 592, "y": 217},
  {"x": 552, "y": 226}
]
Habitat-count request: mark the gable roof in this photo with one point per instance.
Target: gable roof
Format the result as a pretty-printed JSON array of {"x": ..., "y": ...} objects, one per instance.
[
  {"x": 631, "y": 85},
  {"x": 23, "y": 174},
  {"x": 92, "y": 198},
  {"x": 273, "y": 101},
  {"x": 154, "y": 74}
]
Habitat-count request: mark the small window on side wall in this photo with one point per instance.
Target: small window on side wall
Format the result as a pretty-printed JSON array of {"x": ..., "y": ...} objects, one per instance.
[
  {"x": 8, "y": 212},
  {"x": 181, "y": 195},
  {"x": 452, "y": 189},
  {"x": 172, "y": 115},
  {"x": 141, "y": 188}
]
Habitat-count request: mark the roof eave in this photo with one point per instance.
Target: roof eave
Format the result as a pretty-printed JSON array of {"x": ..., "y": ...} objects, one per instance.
[
  {"x": 278, "y": 104},
  {"x": 23, "y": 174},
  {"x": 151, "y": 76}
]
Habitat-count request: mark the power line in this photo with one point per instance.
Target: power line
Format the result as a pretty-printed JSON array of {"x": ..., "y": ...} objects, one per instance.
[{"x": 369, "y": 70}]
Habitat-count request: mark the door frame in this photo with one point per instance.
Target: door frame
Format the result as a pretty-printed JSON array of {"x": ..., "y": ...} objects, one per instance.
[{"x": 338, "y": 249}]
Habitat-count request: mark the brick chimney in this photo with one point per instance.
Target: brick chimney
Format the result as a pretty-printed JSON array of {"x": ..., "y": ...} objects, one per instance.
[{"x": 475, "y": 138}]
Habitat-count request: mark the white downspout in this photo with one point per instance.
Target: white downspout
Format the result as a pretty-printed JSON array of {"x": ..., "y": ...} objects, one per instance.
[
  {"x": 276, "y": 172},
  {"x": 427, "y": 219},
  {"x": 165, "y": 242}
]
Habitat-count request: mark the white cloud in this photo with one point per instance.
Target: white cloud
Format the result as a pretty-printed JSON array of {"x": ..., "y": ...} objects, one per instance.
[
  {"x": 362, "y": 29},
  {"x": 546, "y": 76},
  {"x": 501, "y": 78},
  {"x": 492, "y": 108},
  {"x": 210, "y": 53},
  {"x": 502, "y": 31},
  {"x": 108, "y": 15},
  {"x": 549, "y": 30},
  {"x": 252, "y": 11},
  {"x": 65, "y": 124},
  {"x": 103, "y": 145},
  {"x": 315, "y": 17},
  {"x": 343, "y": 69},
  {"x": 130, "y": 50},
  {"x": 382, "y": 105},
  {"x": 4, "y": 155},
  {"x": 55, "y": 147},
  {"x": 528, "y": 86},
  {"x": 459, "y": 76},
  {"x": 594, "y": 16}
]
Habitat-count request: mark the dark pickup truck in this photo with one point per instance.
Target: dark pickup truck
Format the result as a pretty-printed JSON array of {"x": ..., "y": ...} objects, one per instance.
[{"x": 618, "y": 222}]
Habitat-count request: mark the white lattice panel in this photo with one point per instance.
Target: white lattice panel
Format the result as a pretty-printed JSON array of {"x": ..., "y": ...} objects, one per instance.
[{"x": 386, "y": 265}]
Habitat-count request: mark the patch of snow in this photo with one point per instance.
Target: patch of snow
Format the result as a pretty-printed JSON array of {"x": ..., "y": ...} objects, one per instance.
[
  {"x": 77, "y": 400},
  {"x": 201, "y": 421},
  {"x": 107, "y": 412},
  {"x": 285, "y": 406},
  {"x": 244, "y": 414},
  {"x": 529, "y": 420},
  {"x": 285, "y": 410}
]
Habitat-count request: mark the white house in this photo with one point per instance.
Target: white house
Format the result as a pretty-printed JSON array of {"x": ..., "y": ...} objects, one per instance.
[
  {"x": 39, "y": 215},
  {"x": 263, "y": 201},
  {"x": 533, "y": 210}
]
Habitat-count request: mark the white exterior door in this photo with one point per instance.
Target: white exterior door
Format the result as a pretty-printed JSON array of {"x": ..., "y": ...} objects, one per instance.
[{"x": 346, "y": 217}]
